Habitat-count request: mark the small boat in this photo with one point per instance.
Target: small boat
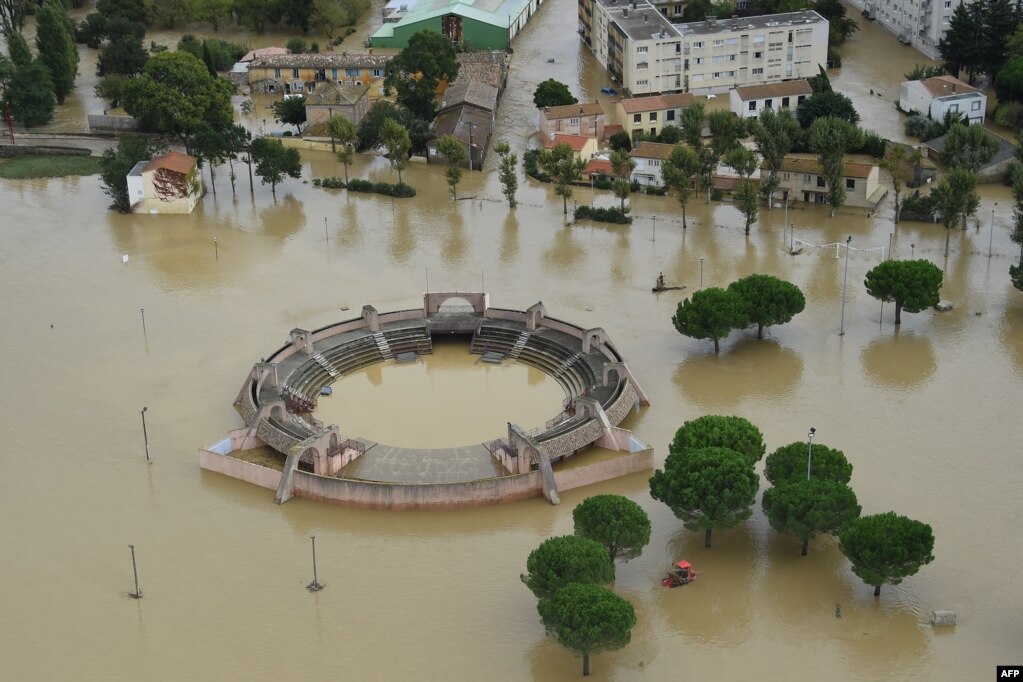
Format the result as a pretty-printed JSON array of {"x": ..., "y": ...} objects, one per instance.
[
  {"x": 681, "y": 573},
  {"x": 326, "y": 390},
  {"x": 659, "y": 289}
]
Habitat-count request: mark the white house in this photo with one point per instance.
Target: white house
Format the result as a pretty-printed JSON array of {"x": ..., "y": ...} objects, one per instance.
[
  {"x": 935, "y": 96},
  {"x": 649, "y": 157},
  {"x": 168, "y": 183},
  {"x": 748, "y": 101}
]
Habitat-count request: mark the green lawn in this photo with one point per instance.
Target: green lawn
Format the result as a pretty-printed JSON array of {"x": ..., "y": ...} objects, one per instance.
[{"x": 20, "y": 167}]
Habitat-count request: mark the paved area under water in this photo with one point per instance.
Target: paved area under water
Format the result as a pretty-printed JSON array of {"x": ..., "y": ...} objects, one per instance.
[{"x": 925, "y": 413}]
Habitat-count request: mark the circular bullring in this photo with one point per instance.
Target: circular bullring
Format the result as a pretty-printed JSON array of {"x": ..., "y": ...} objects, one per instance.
[{"x": 279, "y": 398}]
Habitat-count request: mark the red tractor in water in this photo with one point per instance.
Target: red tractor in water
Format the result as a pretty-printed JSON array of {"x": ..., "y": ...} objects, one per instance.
[{"x": 681, "y": 573}]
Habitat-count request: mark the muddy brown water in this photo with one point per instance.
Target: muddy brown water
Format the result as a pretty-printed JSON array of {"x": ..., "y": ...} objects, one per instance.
[{"x": 925, "y": 413}]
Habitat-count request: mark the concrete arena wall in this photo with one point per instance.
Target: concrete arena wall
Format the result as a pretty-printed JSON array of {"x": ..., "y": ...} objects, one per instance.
[
  {"x": 374, "y": 495},
  {"x": 227, "y": 465},
  {"x": 623, "y": 465}
]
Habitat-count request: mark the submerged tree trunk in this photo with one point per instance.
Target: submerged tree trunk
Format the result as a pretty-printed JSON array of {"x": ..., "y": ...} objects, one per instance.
[
  {"x": 877, "y": 590},
  {"x": 564, "y": 204},
  {"x": 806, "y": 547},
  {"x": 760, "y": 331},
  {"x": 273, "y": 190},
  {"x": 898, "y": 312},
  {"x": 684, "y": 225},
  {"x": 706, "y": 535},
  {"x": 717, "y": 349},
  {"x": 586, "y": 665},
  {"x": 948, "y": 235},
  {"x": 897, "y": 193},
  {"x": 213, "y": 180},
  {"x": 230, "y": 164}
]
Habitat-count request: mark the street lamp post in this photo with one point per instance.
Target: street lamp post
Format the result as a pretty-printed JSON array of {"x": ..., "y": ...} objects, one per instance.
[
  {"x": 137, "y": 594},
  {"x": 315, "y": 585},
  {"x": 470, "y": 126},
  {"x": 145, "y": 434},
  {"x": 701, "y": 272},
  {"x": 991, "y": 234},
  {"x": 809, "y": 450},
  {"x": 845, "y": 279},
  {"x": 330, "y": 115}
]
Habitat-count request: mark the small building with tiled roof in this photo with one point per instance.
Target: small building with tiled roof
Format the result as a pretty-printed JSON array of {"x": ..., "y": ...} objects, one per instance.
[
  {"x": 586, "y": 119},
  {"x": 301, "y": 74},
  {"x": 337, "y": 99},
  {"x": 263, "y": 52},
  {"x": 485, "y": 66},
  {"x": 649, "y": 158},
  {"x": 934, "y": 97},
  {"x": 168, "y": 183},
  {"x": 582, "y": 146},
  {"x": 598, "y": 167},
  {"x": 471, "y": 93},
  {"x": 748, "y": 101},
  {"x": 648, "y": 115},
  {"x": 473, "y": 127},
  {"x": 800, "y": 176}
]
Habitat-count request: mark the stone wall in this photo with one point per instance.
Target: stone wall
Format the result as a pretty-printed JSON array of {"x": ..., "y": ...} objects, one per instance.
[
  {"x": 9, "y": 150},
  {"x": 373, "y": 495},
  {"x": 626, "y": 400},
  {"x": 240, "y": 469},
  {"x": 274, "y": 437},
  {"x": 567, "y": 443},
  {"x": 248, "y": 403},
  {"x": 577, "y": 477}
]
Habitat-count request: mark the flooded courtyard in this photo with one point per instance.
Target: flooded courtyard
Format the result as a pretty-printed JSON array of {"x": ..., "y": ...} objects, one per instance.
[{"x": 924, "y": 413}]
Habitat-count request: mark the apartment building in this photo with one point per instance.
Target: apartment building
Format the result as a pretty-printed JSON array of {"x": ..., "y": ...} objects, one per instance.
[
  {"x": 920, "y": 23},
  {"x": 647, "y": 54}
]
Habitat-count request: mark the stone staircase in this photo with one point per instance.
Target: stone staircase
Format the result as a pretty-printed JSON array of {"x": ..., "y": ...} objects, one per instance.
[
  {"x": 385, "y": 348},
  {"x": 325, "y": 364},
  {"x": 520, "y": 343},
  {"x": 567, "y": 364}
]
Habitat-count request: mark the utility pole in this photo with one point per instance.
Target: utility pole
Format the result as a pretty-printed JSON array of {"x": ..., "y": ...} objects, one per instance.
[
  {"x": 137, "y": 594},
  {"x": 845, "y": 278},
  {"x": 315, "y": 585}
]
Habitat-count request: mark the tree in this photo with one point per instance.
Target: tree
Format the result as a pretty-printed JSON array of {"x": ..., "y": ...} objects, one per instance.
[
  {"x": 955, "y": 196},
  {"x": 395, "y": 139},
  {"x": 55, "y": 42},
  {"x": 787, "y": 464},
  {"x": 616, "y": 522},
  {"x": 506, "y": 165},
  {"x": 622, "y": 165},
  {"x": 840, "y": 26},
  {"x": 1016, "y": 271},
  {"x": 827, "y": 104},
  {"x": 692, "y": 133},
  {"x": 1009, "y": 81},
  {"x": 920, "y": 73},
  {"x": 716, "y": 431},
  {"x": 552, "y": 93},
  {"x": 768, "y": 300},
  {"x": 211, "y": 12},
  {"x": 210, "y": 146},
  {"x": 679, "y": 171},
  {"x": 885, "y": 548},
  {"x": 774, "y": 133},
  {"x": 18, "y": 49},
  {"x": 912, "y": 285},
  {"x": 124, "y": 55},
  {"x": 290, "y": 111},
  {"x": 176, "y": 94},
  {"x": 710, "y": 314},
  {"x": 806, "y": 508},
  {"x": 274, "y": 162},
  {"x": 588, "y": 619},
  {"x": 236, "y": 140},
  {"x": 707, "y": 489},
  {"x": 563, "y": 167},
  {"x": 725, "y": 130},
  {"x": 744, "y": 162},
  {"x": 342, "y": 130},
  {"x": 7, "y": 70},
  {"x": 566, "y": 559},
  {"x": 830, "y": 139},
  {"x": 967, "y": 146},
  {"x": 30, "y": 92},
  {"x": 116, "y": 165},
  {"x": 12, "y": 16},
  {"x": 256, "y": 13},
  {"x": 898, "y": 162},
  {"x": 169, "y": 14},
  {"x": 960, "y": 49},
  {"x": 132, "y": 10},
  {"x": 456, "y": 154},
  {"x": 328, "y": 15},
  {"x": 998, "y": 20},
  {"x": 418, "y": 69},
  {"x": 297, "y": 13},
  {"x": 619, "y": 141}
]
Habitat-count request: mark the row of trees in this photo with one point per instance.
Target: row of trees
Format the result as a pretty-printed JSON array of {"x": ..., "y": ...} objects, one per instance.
[
  {"x": 568, "y": 575},
  {"x": 709, "y": 481},
  {"x": 761, "y": 300}
]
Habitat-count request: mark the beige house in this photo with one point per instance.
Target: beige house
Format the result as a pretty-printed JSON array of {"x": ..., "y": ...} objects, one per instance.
[
  {"x": 301, "y": 74},
  {"x": 800, "y": 176},
  {"x": 583, "y": 147},
  {"x": 648, "y": 115},
  {"x": 649, "y": 157},
  {"x": 165, "y": 184},
  {"x": 750, "y": 100},
  {"x": 337, "y": 99},
  {"x": 587, "y": 120}
]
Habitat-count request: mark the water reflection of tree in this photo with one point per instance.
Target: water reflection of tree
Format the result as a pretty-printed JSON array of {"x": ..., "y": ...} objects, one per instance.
[
  {"x": 350, "y": 230},
  {"x": 403, "y": 239},
  {"x": 282, "y": 219},
  {"x": 565, "y": 252},
  {"x": 717, "y": 608},
  {"x": 746, "y": 369},
  {"x": 510, "y": 239},
  {"x": 455, "y": 244},
  {"x": 1012, "y": 335},
  {"x": 901, "y": 361}
]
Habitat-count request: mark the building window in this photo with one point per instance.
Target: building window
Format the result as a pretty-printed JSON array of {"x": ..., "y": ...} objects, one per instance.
[
  {"x": 768, "y": 103},
  {"x": 698, "y": 60},
  {"x": 669, "y": 115},
  {"x": 758, "y": 40},
  {"x": 294, "y": 73},
  {"x": 758, "y": 55},
  {"x": 753, "y": 105},
  {"x": 806, "y": 179},
  {"x": 351, "y": 73},
  {"x": 697, "y": 78},
  {"x": 718, "y": 43},
  {"x": 758, "y": 71},
  {"x": 954, "y": 108},
  {"x": 333, "y": 74},
  {"x": 820, "y": 181},
  {"x": 641, "y": 65},
  {"x": 574, "y": 122},
  {"x": 948, "y": 4},
  {"x": 717, "y": 59},
  {"x": 642, "y": 49},
  {"x": 653, "y": 116},
  {"x": 697, "y": 46},
  {"x": 850, "y": 183},
  {"x": 377, "y": 73},
  {"x": 637, "y": 118},
  {"x": 277, "y": 72},
  {"x": 731, "y": 57},
  {"x": 716, "y": 74},
  {"x": 799, "y": 100},
  {"x": 730, "y": 74},
  {"x": 785, "y": 102},
  {"x": 975, "y": 106},
  {"x": 642, "y": 82}
]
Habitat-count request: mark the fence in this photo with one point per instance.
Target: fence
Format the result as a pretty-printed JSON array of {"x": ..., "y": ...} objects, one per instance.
[{"x": 114, "y": 123}]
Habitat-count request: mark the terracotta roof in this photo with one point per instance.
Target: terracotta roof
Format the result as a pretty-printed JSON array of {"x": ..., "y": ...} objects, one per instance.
[
  {"x": 652, "y": 150},
  {"x": 946, "y": 85},
  {"x": 807, "y": 164},
  {"x": 785, "y": 89},
  {"x": 474, "y": 92},
  {"x": 635, "y": 105},
  {"x": 598, "y": 167},
  {"x": 263, "y": 52},
  {"x": 172, "y": 161},
  {"x": 329, "y": 93},
  {"x": 573, "y": 110},
  {"x": 576, "y": 142},
  {"x": 326, "y": 60}
]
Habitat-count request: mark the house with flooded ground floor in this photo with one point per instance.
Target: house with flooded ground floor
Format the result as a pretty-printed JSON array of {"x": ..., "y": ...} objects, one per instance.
[{"x": 800, "y": 176}]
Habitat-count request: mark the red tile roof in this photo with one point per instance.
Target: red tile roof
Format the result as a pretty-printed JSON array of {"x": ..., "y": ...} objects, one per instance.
[
  {"x": 576, "y": 142},
  {"x": 635, "y": 105},
  {"x": 598, "y": 167},
  {"x": 173, "y": 161},
  {"x": 808, "y": 164},
  {"x": 574, "y": 111},
  {"x": 652, "y": 150}
]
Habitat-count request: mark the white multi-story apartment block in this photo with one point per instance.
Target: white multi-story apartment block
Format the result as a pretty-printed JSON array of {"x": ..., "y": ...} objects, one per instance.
[
  {"x": 920, "y": 23},
  {"x": 647, "y": 54}
]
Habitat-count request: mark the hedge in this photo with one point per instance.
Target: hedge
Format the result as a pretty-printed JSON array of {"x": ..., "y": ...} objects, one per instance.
[
  {"x": 400, "y": 190},
  {"x": 602, "y": 215}
]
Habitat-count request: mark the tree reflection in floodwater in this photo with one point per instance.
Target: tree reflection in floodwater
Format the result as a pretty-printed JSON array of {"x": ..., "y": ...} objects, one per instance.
[
  {"x": 745, "y": 368},
  {"x": 901, "y": 361}
]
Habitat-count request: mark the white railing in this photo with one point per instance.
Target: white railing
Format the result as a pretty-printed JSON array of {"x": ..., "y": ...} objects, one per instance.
[{"x": 838, "y": 246}]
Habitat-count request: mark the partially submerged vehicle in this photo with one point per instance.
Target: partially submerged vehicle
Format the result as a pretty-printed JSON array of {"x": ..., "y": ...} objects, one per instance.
[{"x": 682, "y": 573}]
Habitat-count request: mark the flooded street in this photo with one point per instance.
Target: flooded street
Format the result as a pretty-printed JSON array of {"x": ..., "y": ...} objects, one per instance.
[{"x": 924, "y": 413}]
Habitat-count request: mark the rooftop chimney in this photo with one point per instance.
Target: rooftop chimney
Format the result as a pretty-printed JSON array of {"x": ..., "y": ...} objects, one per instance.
[{"x": 644, "y": 16}]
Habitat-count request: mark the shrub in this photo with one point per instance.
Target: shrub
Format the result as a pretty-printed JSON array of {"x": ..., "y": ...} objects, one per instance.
[
  {"x": 296, "y": 45},
  {"x": 530, "y": 166},
  {"x": 716, "y": 194},
  {"x": 654, "y": 190},
  {"x": 400, "y": 190},
  {"x": 922, "y": 128},
  {"x": 330, "y": 183},
  {"x": 634, "y": 186},
  {"x": 1009, "y": 114},
  {"x": 919, "y": 207},
  {"x": 603, "y": 182},
  {"x": 602, "y": 215}
]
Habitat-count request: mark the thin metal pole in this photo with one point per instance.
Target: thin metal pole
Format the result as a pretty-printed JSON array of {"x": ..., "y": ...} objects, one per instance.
[
  {"x": 654, "y": 218},
  {"x": 890, "y": 236},
  {"x": 701, "y": 272},
  {"x": 315, "y": 585},
  {"x": 991, "y": 234},
  {"x": 427, "y": 280},
  {"x": 845, "y": 279},
  {"x": 792, "y": 236},
  {"x": 137, "y": 594},
  {"x": 912, "y": 249},
  {"x": 143, "y": 311},
  {"x": 809, "y": 451},
  {"x": 145, "y": 434},
  {"x": 216, "y": 249},
  {"x": 326, "y": 235}
]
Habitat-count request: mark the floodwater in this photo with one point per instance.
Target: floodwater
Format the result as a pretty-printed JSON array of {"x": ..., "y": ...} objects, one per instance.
[
  {"x": 445, "y": 399},
  {"x": 925, "y": 414}
]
